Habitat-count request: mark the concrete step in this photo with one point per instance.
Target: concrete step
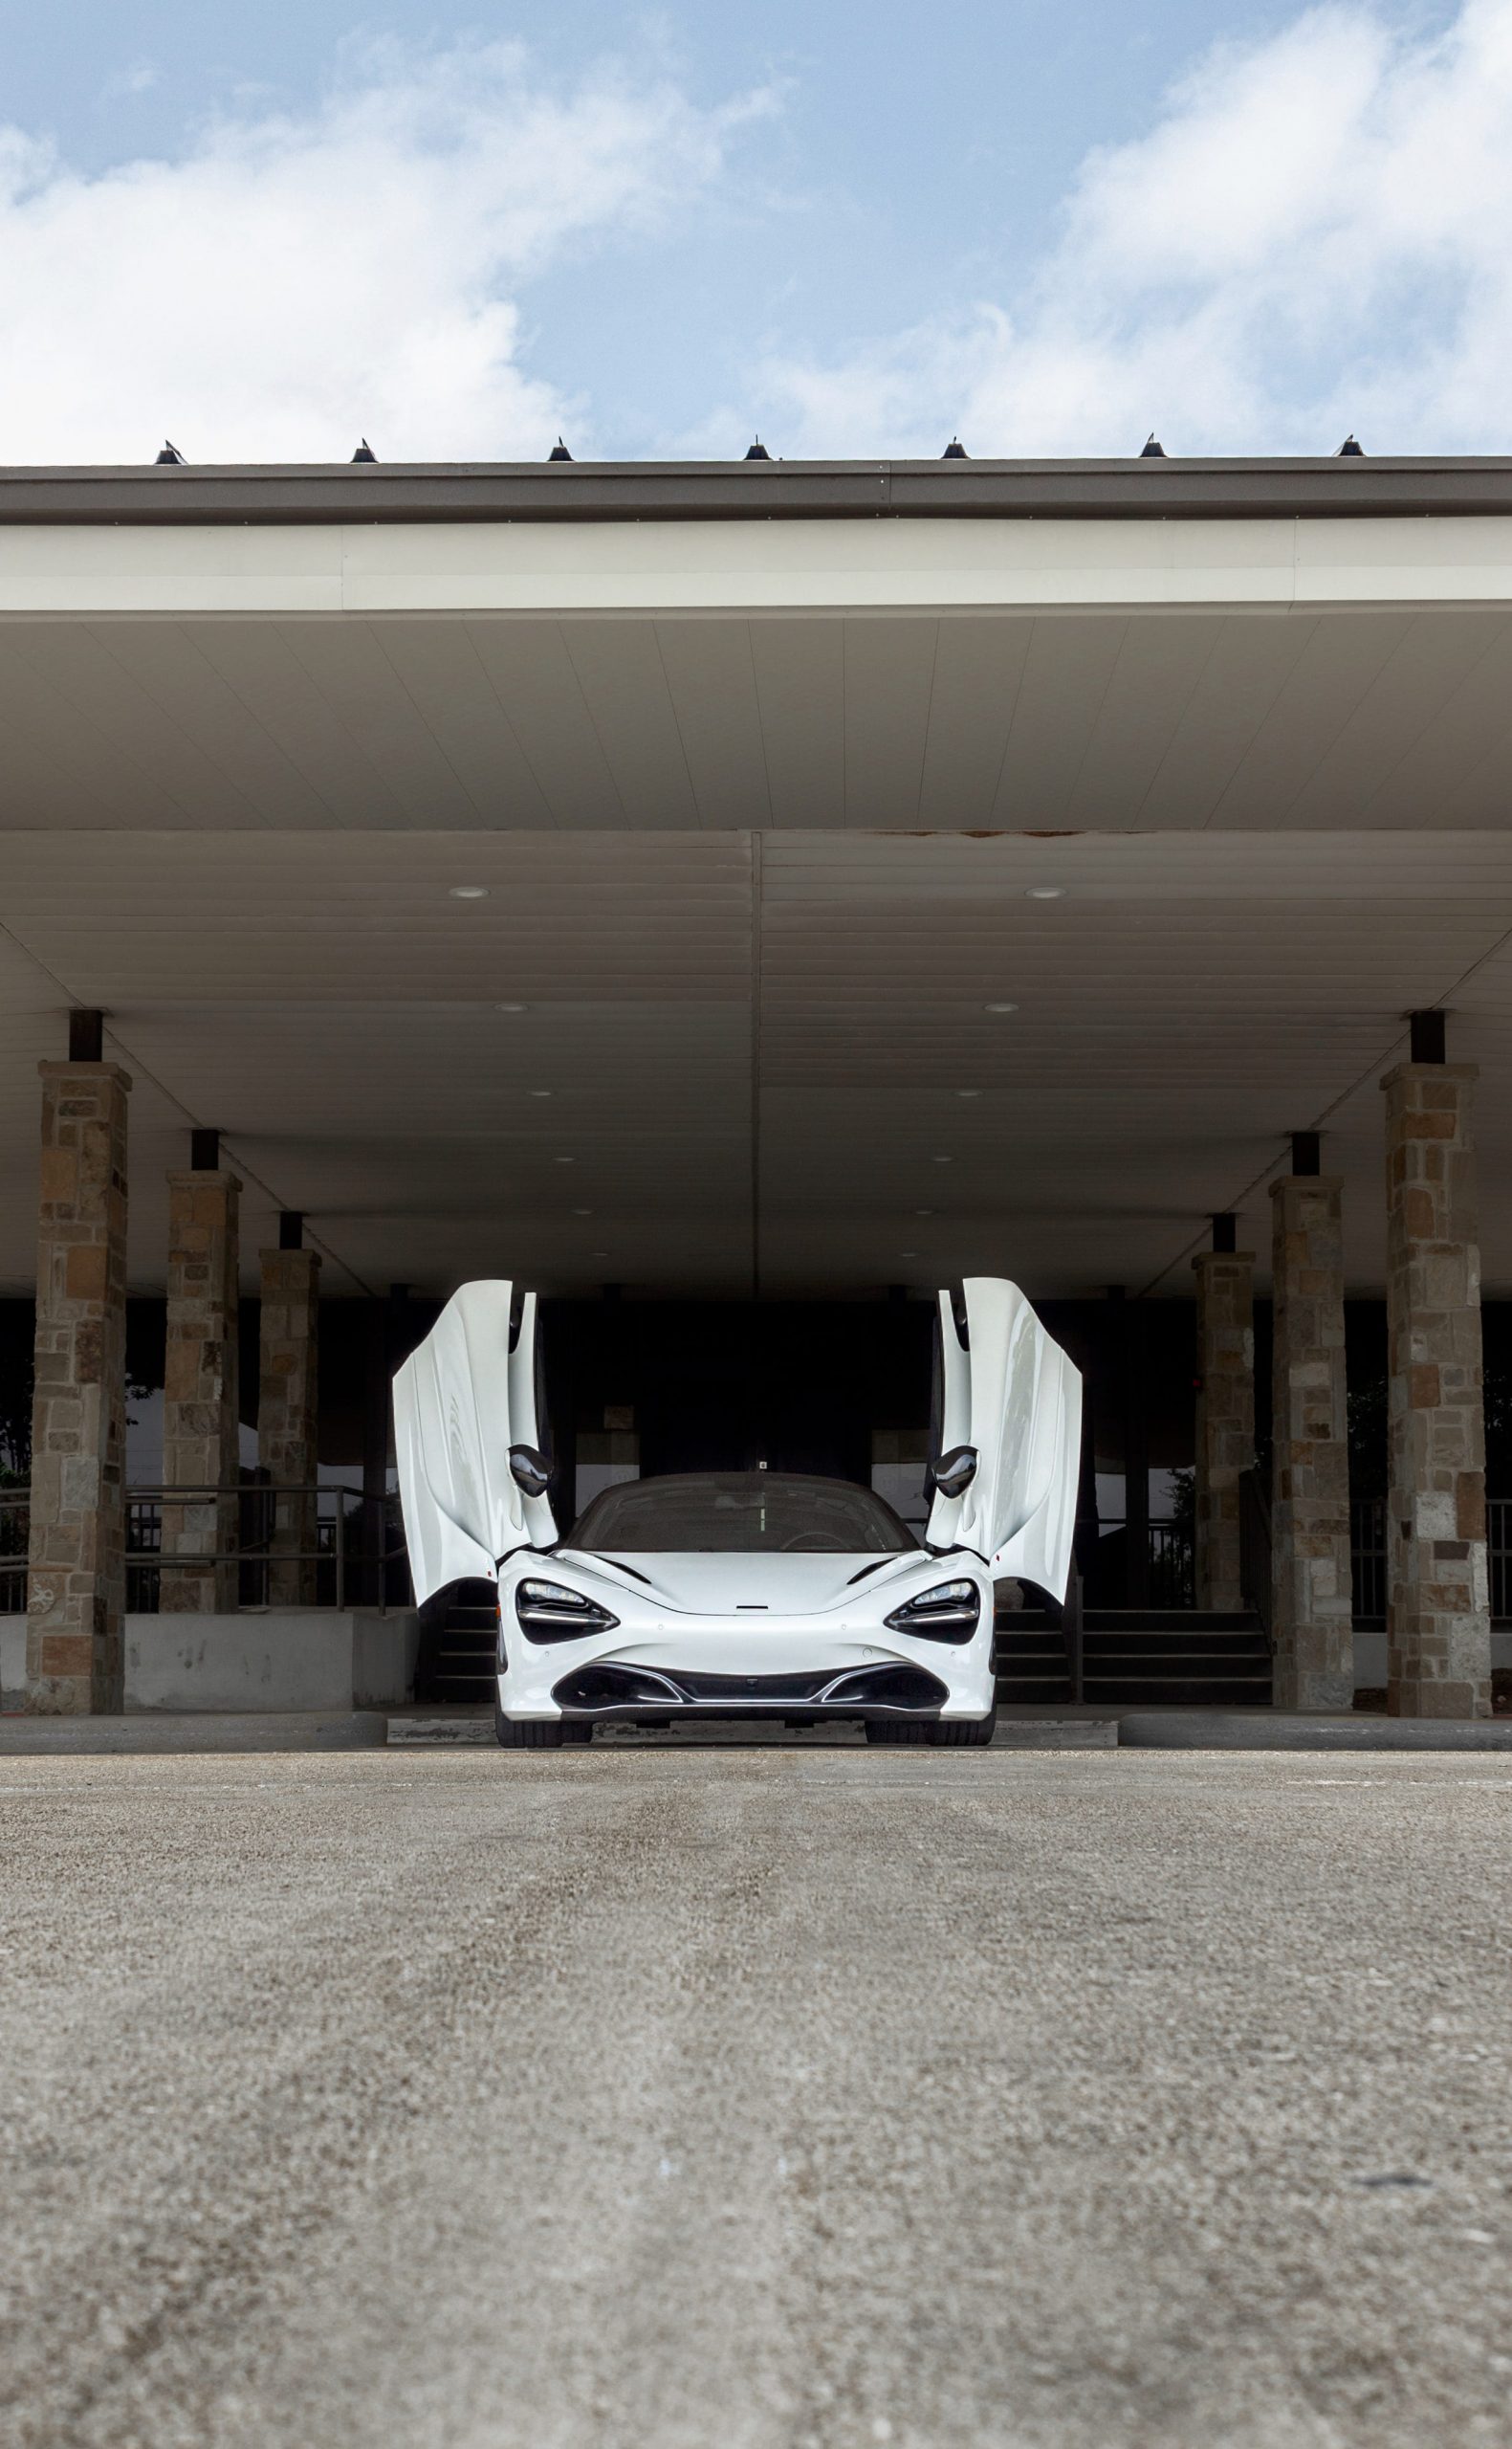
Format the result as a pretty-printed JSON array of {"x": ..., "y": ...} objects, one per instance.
[
  {"x": 1185, "y": 1693},
  {"x": 1176, "y": 1619}
]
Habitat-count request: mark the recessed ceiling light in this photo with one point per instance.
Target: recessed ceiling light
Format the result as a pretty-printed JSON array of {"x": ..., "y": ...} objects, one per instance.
[
  {"x": 1045, "y": 892},
  {"x": 468, "y": 892},
  {"x": 583, "y": 1211},
  {"x": 598, "y": 1254},
  {"x": 540, "y": 1093},
  {"x": 908, "y": 1254},
  {"x": 525, "y": 1007},
  {"x": 968, "y": 1092},
  {"x": 942, "y": 1161},
  {"x": 564, "y": 1160},
  {"x": 924, "y": 1211},
  {"x": 986, "y": 1008}
]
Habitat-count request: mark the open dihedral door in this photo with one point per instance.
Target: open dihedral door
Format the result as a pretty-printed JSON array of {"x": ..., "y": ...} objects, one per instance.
[
  {"x": 1007, "y": 1393},
  {"x": 464, "y": 1400}
]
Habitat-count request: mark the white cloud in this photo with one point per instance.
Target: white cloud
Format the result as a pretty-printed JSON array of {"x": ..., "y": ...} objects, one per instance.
[
  {"x": 293, "y": 282},
  {"x": 1316, "y": 236}
]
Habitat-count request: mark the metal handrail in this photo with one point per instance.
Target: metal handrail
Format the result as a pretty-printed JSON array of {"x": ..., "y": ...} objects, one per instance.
[
  {"x": 257, "y": 1549},
  {"x": 1255, "y": 1548}
]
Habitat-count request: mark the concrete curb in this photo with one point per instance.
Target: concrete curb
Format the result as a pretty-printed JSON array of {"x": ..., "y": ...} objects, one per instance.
[
  {"x": 1274, "y": 1730},
  {"x": 282, "y": 1730}
]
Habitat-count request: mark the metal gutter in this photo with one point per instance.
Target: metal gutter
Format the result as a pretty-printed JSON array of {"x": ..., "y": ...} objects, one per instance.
[{"x": 630, "y": 491}]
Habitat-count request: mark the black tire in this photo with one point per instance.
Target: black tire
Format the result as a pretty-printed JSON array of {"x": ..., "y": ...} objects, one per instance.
[
  {"x": 526, "y": 1734},
  {"x": 955, "y": 1731}
]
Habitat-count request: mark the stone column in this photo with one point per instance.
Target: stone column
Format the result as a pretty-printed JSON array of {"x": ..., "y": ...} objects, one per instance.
[
  {"x": 286, "y": 1415},
  {"x": 1225, "y": 1419},
  {"x": 1438, "y": 1613},
  {"x": 1312, "y": 1612},
  {"x": 76, "y": 1582},
  {"x": 201, "y": 1445}
]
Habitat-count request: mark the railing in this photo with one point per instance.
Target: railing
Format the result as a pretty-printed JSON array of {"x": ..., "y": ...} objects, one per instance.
[
  {"x": 1255, "y": 1546},
  {"x": 1071, "y": 1633},
  {"x": 1368, "y": 1559},
  {"x": 346, "y": 1544},
  {"x": 1171, "y": 1572}
]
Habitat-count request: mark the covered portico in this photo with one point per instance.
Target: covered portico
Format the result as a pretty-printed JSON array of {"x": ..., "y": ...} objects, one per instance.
[{"x": 765, "y": 884}]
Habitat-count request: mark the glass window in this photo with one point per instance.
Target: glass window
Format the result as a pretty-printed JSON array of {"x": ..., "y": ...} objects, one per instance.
[{"x": 740, "y": 1513}]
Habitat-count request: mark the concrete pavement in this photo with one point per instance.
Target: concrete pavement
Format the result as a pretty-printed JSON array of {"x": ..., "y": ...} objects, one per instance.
[{"x": 644, "y": 2098}]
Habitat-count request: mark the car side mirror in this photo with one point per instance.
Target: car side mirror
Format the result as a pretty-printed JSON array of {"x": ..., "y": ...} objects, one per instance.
[
  {"x": 528, "y": 1469},
  {"x": 953, "y": 1473}
]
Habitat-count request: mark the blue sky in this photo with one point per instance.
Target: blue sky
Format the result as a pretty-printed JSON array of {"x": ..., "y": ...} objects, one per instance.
[{"x": 857, "y": 229}]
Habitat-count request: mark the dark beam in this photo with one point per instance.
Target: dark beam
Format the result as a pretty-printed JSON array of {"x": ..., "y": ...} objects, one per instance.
[
  {"x": 495, "y": 491},
  {"x": 86, "y": 1036},
  {"x": 1306, "y": 1153}
]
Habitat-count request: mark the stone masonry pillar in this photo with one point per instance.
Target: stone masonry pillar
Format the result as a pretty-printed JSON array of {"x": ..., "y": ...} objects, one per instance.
[
  {"x": 1225, "y": 1419},
  {"x": 75, "y": 1578},
  {"x": 1438, "y": 1616},
  {"x": 201, "y": 1443},
  {"x": 1312, "y": 1609},
  {"x": 286, "y": 1415}
]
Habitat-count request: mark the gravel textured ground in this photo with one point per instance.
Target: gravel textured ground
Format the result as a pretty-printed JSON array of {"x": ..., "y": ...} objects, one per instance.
[{"x": 745, "y": 2099}]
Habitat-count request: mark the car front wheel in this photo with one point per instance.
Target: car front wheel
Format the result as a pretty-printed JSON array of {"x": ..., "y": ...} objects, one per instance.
[
  {"x": 527, "y": 1735},
  {"x": 952, "y": 1731},
  {"x": 962, "y": 1729}
]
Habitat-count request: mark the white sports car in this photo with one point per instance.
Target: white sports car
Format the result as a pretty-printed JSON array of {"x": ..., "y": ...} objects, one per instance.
[{"x": 749, "y": 1594}]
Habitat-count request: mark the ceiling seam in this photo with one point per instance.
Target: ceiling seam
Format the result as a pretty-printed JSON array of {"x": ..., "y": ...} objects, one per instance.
[
  {"x": 259, "y": 824},
  {"x": 677, "y": 726},
  {"x": 510, "y": 725},
  {"x": 755, "y": 686}
]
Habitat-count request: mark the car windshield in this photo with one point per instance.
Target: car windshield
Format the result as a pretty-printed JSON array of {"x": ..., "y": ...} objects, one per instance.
[{"x": 739, "y": 1513}]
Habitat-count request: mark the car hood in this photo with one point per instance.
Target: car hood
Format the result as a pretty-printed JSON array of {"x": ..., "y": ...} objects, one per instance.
[{"x": 723, "y": 1585}]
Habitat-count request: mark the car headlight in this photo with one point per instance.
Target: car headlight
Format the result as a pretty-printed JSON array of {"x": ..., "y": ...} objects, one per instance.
[
  {"x": 548, "y": 1611},
  {"x": 950, "y": 1611}
]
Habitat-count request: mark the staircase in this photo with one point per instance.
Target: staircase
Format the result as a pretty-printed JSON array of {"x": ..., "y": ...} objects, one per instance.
[
  {"x": 1143, "y": 1658},
  {"x": 1136, "y": 1658},
  {"x": 457, "y": 1653},
  {"x": 1029, "y": 1656}
]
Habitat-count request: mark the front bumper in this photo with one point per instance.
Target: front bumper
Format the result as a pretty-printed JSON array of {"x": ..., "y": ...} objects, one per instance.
[{"x": 803, "y": 1673}]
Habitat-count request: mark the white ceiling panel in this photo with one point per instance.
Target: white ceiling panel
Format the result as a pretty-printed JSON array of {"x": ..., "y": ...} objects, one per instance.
[
  {"x": 620, "y": 671},
  {"x": 1051, "y": 719},
  {"x": 536, "y": 684},
  {"x": 978, "y": 671},
  {"x": 711, "y": 676},
  {"x": 1190, "y": 999},
  {"x": 888, "y": 680},
  {"x": 800, "y": 687}
]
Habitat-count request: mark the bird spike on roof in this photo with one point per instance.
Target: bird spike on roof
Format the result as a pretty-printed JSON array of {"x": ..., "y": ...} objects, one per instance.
[
  {"x": 170, "y": 456},
  {"x": 561, "y": 451},
  {"x": 758, "y": 450},
  {"x": 954, "y": 449},
  {"x": 366, "y": 452},
  {"x": 1154, "y": 449}
]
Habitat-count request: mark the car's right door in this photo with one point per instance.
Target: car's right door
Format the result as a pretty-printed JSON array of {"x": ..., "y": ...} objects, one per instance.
[{"x": 1008, "y": 1392}]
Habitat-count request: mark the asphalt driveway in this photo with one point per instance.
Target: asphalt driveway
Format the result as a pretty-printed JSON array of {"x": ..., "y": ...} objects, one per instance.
[{"x": 754, "y": 2098}]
